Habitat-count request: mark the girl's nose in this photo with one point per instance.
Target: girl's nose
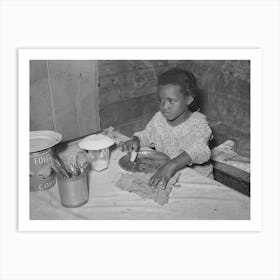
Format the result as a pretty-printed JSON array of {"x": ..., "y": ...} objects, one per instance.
[{"x": 165, "y": 105}]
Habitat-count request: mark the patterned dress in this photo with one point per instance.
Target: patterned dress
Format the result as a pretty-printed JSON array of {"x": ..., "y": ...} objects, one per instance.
[{"x": 191, "y": 136}]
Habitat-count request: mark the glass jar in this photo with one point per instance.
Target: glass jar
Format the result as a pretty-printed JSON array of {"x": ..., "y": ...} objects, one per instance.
[
  {"x": 99, "y": 159},
  {"x": 74, "y": 191},
  {"x": 97, "y": 146}
]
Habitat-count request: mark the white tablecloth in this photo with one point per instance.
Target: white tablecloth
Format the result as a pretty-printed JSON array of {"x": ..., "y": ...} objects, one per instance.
[{"x": 199, "y": 198}]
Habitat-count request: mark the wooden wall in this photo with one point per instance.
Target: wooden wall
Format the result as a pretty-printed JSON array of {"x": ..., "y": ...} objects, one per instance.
[
  {"x": 225, "y": 90},
  {"x": 64, "y": 97},
  {"x": 225, "y": 98},
  {"x": 77, "y": 98},
  {"x": 127, "y": 95}
]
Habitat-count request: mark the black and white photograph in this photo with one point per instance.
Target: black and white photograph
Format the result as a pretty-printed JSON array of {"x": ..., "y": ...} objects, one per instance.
[{"x": 140, "y": 139}]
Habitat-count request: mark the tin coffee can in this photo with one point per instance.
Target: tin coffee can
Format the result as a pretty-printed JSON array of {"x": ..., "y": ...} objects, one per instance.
[{"x": 41, "y": 174}]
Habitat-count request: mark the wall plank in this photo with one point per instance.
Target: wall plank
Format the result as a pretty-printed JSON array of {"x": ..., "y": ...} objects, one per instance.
[
  {"x": 130, "y": 79},
  {"x": 74, "y": 93},
  {"x": 134, "y": 125},
  {"x": 126, "y": 111},
  {"x": 40, "y": 106},
  {"x": 89, "y": 121},
  {"x": 66, "y": 100},
  {"x": 64, "y": 88},
  {"x": 38, "y": 70}
]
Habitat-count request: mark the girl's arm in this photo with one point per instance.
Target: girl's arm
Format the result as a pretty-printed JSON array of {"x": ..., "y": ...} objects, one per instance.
[
  {"x": 165, "y": 172},
  {"x": 181, "y": 161},
  {"x": 142, "y": 138},
  {"x": 197, "y": 145},
  {"x": 194, "y": 151}
]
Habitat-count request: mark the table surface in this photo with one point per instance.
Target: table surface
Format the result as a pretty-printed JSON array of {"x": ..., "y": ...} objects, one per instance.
[{"x": 198, "y": 198}]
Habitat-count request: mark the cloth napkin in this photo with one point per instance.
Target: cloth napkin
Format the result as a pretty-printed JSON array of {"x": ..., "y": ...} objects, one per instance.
[{"x": 138, "y": 184}]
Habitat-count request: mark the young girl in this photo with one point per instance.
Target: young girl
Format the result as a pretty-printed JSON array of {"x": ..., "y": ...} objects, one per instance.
[{"x": 175, "y": 130}]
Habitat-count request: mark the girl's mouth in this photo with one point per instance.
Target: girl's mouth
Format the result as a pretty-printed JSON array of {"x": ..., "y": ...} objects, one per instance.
[{"x": 167, "y": 114}]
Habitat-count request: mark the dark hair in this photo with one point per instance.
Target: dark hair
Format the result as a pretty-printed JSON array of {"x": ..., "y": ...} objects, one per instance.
[{"x": 176, "y": 76}]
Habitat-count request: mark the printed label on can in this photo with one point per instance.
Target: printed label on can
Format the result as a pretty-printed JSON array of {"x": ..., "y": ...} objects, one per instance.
[{"x": 41, "y": 173}]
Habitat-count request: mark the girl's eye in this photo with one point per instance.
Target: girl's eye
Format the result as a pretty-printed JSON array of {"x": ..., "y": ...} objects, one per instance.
[{"x": 172, "y": 101}]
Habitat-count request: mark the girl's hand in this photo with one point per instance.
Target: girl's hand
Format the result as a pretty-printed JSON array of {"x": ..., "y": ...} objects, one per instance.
[
  {"x": 130, "y": 145},
  {"x": 163, "y": 174}
]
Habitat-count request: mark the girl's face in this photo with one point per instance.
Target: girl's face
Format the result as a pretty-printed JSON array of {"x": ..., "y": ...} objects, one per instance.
[{"x": 173, "y": 104}]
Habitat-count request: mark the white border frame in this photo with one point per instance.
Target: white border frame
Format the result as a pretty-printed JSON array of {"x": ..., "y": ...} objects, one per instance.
[{"x": 254, "y": 55}]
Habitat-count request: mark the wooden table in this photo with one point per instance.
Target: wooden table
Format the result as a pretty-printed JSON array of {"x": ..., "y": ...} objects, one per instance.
[{"x": 198, "y": 198}]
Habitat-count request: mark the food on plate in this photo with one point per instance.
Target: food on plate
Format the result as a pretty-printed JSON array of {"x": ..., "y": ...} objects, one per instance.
[{"x": 147, "y": 161}]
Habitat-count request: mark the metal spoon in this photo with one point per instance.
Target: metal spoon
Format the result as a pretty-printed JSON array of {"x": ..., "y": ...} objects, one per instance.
[
  {"x": 82, "y": 160},
  {"x": 75, "y": 171}
]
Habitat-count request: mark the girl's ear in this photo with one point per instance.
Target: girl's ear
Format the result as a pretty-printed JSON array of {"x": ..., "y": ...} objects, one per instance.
[{"x": 189, "y": 99}]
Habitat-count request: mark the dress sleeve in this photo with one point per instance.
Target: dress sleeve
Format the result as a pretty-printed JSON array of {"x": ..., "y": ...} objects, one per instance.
[
  {"x": 147, "y": 135},
  {"x": 197, "y": 146}
]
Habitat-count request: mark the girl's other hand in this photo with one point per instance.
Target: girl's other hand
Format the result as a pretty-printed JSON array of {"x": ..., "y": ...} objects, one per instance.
[
  {"x": 130, "y": 145},
  {"x": 163, "y": 175}
]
